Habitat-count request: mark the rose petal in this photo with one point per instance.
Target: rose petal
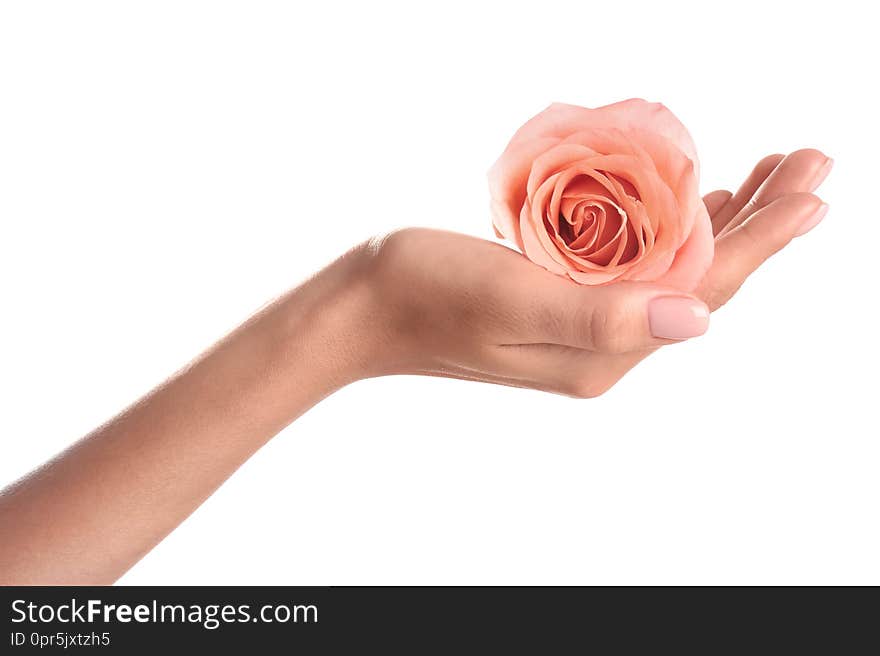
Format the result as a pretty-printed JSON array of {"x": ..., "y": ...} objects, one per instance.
[
  {"x": 507, "y": 179},
  {"x": 694, "y": 258},
  {"x": 533, "y": 246},
  {"x": 561, "y": 119}
]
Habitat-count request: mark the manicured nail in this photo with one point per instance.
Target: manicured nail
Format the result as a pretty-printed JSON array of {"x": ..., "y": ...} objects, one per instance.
[
  {"x": 822, "y": 173},
  {"x": 677, "y": 317},
  {"x": 813, "y": 221}
]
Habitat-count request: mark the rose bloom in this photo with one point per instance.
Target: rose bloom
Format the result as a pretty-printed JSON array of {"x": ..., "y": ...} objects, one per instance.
[{"x": 605, "y": 194}]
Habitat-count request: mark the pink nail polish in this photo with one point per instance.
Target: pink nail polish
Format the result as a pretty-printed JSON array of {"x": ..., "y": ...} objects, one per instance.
[
  {"x": 677, "y": 317},
  {"x": 822, "y": 173},
  {"x": 813, "y": 221}
]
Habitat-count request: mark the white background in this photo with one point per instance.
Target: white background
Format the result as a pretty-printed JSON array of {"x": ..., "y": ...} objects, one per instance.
[{"x": 166, "y": 167}]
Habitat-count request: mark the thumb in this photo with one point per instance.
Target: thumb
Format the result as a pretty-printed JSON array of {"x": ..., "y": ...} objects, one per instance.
[{"x": 627, "y": 316}]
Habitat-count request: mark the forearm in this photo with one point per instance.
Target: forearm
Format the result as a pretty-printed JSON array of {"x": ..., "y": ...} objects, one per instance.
[{"x": 92, "y": 512}]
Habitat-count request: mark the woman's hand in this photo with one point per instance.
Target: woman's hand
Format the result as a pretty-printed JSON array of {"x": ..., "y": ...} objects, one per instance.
[
  {"x": 416, "y": 301},
  {"x": 446, "y": 304}
]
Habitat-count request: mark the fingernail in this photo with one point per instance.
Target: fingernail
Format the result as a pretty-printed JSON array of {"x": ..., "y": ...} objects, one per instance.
[
  {"x": 822, "y": 173},
  {"x": 677, "y": 317},
  {"x": 813, "y": 221}
]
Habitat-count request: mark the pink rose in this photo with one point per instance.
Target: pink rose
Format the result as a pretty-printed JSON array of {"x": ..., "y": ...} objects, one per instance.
[{"x": 605, "y": 194}]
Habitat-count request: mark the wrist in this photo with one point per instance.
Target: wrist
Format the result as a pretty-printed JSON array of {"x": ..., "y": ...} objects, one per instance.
[{"x": 329, "y": 325}]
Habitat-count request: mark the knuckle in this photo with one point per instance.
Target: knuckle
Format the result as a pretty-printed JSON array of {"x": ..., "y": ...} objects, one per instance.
[
  {"x": 763, "y": 237},
  {"x": 608, "y": 328},
  {"x": 752, "y": 242},
  {"x": 392, "y": 255},
  {"x": 755, "y": 203},
  {"x": 715, "y": 297},
  {"x": 389, "y": 247}
]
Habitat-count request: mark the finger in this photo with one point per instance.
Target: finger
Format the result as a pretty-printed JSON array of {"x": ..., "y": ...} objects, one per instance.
[
  {"x": 618, "y": 318},
  {"x": 715, "y": 200},
  {"x": 742, "y": 250},
  {"x": 802, "y": 171},
  {"x": 744, "y": 194}
]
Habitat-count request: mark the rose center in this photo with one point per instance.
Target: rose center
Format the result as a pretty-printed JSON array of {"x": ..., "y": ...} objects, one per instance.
[{"x": 594, "y": 225}]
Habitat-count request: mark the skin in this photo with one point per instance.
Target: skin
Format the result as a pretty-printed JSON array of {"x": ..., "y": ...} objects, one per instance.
[{"x": 416, "y": 301}]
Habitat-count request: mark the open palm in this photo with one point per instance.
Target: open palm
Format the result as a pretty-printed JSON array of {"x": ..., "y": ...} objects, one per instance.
[{"x": 451, "y": 305}]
